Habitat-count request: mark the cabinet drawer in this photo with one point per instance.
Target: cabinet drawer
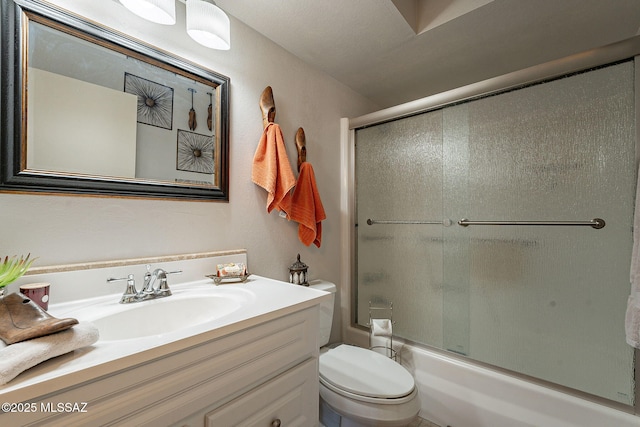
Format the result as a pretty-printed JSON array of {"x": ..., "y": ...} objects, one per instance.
[{"x": 291, "y": 399}]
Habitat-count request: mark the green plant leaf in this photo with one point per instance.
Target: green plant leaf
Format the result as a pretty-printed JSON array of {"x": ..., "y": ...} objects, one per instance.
[{"x": 11, "y": 269}]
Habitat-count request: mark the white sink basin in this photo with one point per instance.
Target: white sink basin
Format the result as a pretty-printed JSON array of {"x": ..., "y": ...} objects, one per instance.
[{"x": 161, "y": 316}]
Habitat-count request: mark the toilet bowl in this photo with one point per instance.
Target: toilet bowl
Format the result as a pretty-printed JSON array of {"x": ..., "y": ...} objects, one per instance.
[
  {"x": 359, "y": 387},
  {"x": 365, "y": 388}
]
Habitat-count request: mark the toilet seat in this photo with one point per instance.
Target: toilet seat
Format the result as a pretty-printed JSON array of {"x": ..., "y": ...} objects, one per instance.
[{"x": 365, "y": 375}]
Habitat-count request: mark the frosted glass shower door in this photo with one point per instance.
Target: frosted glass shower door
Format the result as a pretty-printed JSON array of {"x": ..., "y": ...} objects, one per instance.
[
  {"x": 549, "y": 301},
  {"x": 543, "y": 301},
  {"x": 399, "y": 178}
]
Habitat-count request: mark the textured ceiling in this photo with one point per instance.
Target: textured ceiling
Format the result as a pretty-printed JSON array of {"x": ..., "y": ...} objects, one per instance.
[{"x": 370, "y": 46}]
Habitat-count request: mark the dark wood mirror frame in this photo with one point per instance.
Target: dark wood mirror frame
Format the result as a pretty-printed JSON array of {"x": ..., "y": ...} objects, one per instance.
[{"x": 15, "y": 177}]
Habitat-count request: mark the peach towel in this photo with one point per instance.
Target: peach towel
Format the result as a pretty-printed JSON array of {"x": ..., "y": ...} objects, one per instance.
[
  {"x": 306, "y": 207},
  {"x": 271, "y": 169}
]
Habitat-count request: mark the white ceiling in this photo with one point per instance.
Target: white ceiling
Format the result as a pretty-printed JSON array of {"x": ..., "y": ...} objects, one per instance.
[{"x": 371, "y": 47}]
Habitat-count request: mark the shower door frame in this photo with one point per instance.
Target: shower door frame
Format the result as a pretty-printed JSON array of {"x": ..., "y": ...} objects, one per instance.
[{"x": 594, "y": 58}]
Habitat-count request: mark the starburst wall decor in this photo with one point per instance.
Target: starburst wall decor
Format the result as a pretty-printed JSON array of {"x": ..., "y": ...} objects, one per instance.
[
  {"x": 155, "y": 101},
  {"x": 195, "y": 152}
]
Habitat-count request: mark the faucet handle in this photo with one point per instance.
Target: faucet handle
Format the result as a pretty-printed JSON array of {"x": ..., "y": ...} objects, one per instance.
[
  {"x": 130, "y": 293},
  {"x": 147, "y": 278}
]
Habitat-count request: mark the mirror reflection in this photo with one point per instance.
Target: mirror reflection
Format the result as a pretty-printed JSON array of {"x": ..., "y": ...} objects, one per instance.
[{"x": 96, "y": 111}]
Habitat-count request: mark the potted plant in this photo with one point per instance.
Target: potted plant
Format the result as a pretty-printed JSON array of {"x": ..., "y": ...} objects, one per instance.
[{"x": 11, "y": 269}]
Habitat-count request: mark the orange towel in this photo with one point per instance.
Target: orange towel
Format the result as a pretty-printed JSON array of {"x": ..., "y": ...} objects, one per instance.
[
  {"x": 271, "y": 169},
  {"x": 306, "y": 207}
]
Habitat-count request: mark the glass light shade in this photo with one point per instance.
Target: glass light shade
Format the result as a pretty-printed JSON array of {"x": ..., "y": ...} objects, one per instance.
[
  {"x": 158, "y": 11},
  {"x": 208, "y": 24}
]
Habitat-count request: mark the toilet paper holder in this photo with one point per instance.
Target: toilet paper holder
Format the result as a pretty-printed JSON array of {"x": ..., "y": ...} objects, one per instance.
[{"x": 381, "y": 326}]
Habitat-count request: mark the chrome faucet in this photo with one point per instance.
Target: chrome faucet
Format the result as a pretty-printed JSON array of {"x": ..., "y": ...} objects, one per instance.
[
  {"x": 148, "y": 290},
  {"x": 163, "y": 286}
]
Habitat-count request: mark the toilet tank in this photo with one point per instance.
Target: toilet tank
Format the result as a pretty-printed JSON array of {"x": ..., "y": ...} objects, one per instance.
[{"x": 326, "y": 309}]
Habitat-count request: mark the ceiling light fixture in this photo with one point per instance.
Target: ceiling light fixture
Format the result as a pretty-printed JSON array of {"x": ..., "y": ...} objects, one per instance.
[
  {"x": 206, "y": 23},
  {"x": 158, "y": 11}
]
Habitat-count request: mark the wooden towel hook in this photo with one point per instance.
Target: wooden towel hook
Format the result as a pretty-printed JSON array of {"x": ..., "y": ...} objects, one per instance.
[
  {"x": 301, "y": 145},
  {"x": 267, "y": 106}
]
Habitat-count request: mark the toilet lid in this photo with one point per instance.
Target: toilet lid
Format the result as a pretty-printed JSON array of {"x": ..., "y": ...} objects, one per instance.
[{"x": 365, "y": 373}]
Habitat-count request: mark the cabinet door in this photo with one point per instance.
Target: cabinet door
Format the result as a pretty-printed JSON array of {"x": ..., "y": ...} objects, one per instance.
[{"x": 290, "y": 399}]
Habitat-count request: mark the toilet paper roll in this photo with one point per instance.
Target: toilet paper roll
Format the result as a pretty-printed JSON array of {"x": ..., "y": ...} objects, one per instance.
[{"x": 381, "y": 328}]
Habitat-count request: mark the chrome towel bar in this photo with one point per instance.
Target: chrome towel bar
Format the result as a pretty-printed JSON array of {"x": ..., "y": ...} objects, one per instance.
[
  {"x": 407, "y": 221},
  {"x": 596, "y": 223}
]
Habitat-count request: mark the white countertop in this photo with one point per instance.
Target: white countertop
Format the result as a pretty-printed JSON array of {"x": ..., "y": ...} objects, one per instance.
[{"x": 268, "y": 300}]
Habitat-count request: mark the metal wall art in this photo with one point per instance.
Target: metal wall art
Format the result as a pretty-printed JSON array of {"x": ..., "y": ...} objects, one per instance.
[
  {"x": 195, "y": 152},
  {"x": 155, "y": 101}
]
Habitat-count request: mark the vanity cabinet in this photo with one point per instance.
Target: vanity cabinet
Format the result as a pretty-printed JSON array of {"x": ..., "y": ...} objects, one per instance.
[{"x": 258, "y": 373}]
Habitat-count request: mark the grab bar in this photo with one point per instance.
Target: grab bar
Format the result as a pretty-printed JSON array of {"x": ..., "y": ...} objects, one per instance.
[
  {"x": 446, "y": 222},
  {"x": 596, "y": 223}
]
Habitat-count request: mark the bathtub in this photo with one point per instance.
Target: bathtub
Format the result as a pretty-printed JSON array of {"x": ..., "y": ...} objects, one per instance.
[{"x": 459, "y": 394}]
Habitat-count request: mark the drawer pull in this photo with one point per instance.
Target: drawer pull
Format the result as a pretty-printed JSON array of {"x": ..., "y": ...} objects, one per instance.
[{"x": 276, "y": 423}]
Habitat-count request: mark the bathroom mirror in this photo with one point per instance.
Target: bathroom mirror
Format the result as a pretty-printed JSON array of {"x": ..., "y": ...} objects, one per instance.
[{"x": 88, "y": 110}]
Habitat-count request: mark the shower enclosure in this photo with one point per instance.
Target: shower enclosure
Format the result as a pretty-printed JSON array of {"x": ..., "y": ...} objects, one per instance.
[{"x": 501, "y": 228}]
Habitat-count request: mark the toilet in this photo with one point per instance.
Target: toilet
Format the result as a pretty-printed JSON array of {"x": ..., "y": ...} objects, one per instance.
[{"x": 359, "y": 387}]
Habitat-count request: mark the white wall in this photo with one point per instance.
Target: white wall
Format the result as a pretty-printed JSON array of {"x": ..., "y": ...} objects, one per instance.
[{"x": 64, "y": 229}]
